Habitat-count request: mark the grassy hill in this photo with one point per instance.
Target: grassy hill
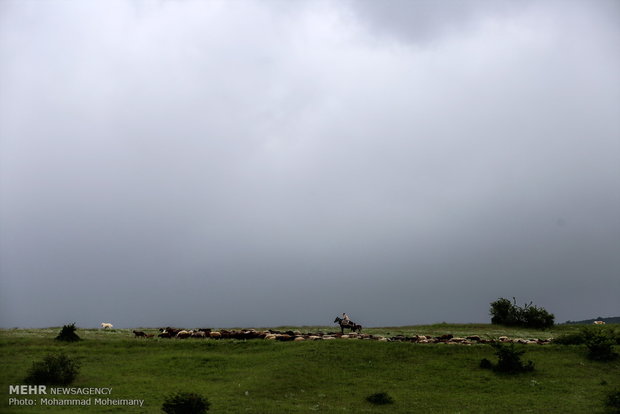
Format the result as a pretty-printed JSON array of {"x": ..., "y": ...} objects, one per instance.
[{"x": 260, "y": 376}]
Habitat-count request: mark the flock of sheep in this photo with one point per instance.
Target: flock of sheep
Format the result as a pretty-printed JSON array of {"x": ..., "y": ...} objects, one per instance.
[{"x": 298, "y": 336}]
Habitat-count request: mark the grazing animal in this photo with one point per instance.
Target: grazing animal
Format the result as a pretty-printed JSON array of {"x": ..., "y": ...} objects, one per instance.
[
  {"x": 354, "y": 327},
  {"x": 168, "y": 330},
  {"x": 599, "y": 322},
  {"x": 184, "y": 334},
  {"x": 105, "y": 325},
  {"x": 139, "y": 334}
]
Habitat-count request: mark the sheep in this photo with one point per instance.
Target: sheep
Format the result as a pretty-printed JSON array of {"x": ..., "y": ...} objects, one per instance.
[
  {"x": 184, "y": 334},
  {"x": 105, "y": 325},
  {"x": 599, "y": 322},
  {"x": 168, "y": 332}
]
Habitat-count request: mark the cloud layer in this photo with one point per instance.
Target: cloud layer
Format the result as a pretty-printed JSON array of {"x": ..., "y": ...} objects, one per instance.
[{"x": 262, "y": 163}]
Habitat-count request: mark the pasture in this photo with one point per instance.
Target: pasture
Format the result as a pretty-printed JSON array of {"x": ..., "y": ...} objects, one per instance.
[{"x": 261, "y": 376}]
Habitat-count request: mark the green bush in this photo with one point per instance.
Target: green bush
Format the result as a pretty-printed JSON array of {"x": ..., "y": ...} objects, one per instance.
[
  {"x": 53, "y": 370},
  {"x": 486, "y": 364},
  {"x": 573, "y": 338},
  {"x": 601, "y": 347},
  {"x": 509, "y": 360},
  {"x": 67, "y": 334},
  {"x": 586, "y": 334},
  {"x": 598, "y": 340},
  {"x": 612, "y": 402},
  {"x": 503, "y": 312},
  {"x": 380, "y": 398},
  {"x": 185, "y": 403}
]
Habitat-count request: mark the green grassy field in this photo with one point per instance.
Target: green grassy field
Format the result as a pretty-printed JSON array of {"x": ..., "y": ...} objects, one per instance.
[{"x": 260, "y": 376}]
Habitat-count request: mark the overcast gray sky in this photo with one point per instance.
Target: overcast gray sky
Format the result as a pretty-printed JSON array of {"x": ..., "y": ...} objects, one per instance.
[{"x": 263, "y": 163}]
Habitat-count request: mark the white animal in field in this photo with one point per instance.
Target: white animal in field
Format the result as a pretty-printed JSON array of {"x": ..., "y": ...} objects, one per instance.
[
  {"x": 105, "y": 325},
  {"x": 599, "y": 322}
]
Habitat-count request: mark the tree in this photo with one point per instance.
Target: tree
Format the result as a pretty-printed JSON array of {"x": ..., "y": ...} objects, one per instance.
[{"x": 503, "y": 312}]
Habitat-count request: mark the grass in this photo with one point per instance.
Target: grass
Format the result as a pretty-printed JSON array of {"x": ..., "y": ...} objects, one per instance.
[{"x": 261, "y": 376}]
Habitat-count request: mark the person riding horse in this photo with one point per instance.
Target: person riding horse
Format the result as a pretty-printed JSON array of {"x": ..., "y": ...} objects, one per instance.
[{"x": 345, "y": 322}]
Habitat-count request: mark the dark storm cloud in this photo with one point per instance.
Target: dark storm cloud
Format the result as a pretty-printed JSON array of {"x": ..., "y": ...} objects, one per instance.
[
  {"x": 427, "y": 21},
  {"x": 252, "y": 163}
]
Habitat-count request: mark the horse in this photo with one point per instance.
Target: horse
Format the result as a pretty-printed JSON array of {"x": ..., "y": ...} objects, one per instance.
[{"x": 348, "y": 324}]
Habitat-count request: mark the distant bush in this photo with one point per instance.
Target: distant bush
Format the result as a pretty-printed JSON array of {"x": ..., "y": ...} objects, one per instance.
[
  {"x": 504, "y": 312},
  {"x": 509, "y": 360},
  {"x": 67, "y": 334},
  {"x": 573, "y": 338},
  {"x": 380, "y": 398},
  {"x": 185, "y": 403},
  {"x": 601, "y": 347},
  {"x": 612, "y": 402},
  {"x": 53, "y": 370},
  {"x": 598, "y": 340},
  {"x": 587, "y": 333}
]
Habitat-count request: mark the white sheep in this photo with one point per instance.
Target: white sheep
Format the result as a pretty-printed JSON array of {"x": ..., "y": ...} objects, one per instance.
[{"x": 105, "y": 325}]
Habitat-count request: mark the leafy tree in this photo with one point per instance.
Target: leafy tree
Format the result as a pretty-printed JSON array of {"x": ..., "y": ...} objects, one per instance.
[{"x": 504, "y": 312}]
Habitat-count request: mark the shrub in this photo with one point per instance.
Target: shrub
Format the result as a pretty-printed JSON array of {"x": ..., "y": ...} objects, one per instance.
[
  {"x": 185, "y": 403},
  {"x": 509, "y": 360},
  {"x": 486, "y": 364},
  {"x": 598, "y": 340},
  {"x": 612, "y": 402},
  {"x": 53, "y": 370},
  {"x": 601, "y": 346},
  {"x": 380, "y": 398},
  {"x": 574, "y": 338},
  {"x": 503, "y": 312},
  {"x": 67, "y": 334}
]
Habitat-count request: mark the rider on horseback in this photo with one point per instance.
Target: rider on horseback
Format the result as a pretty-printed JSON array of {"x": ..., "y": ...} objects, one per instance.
[{"x": 345, "y": 322}]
